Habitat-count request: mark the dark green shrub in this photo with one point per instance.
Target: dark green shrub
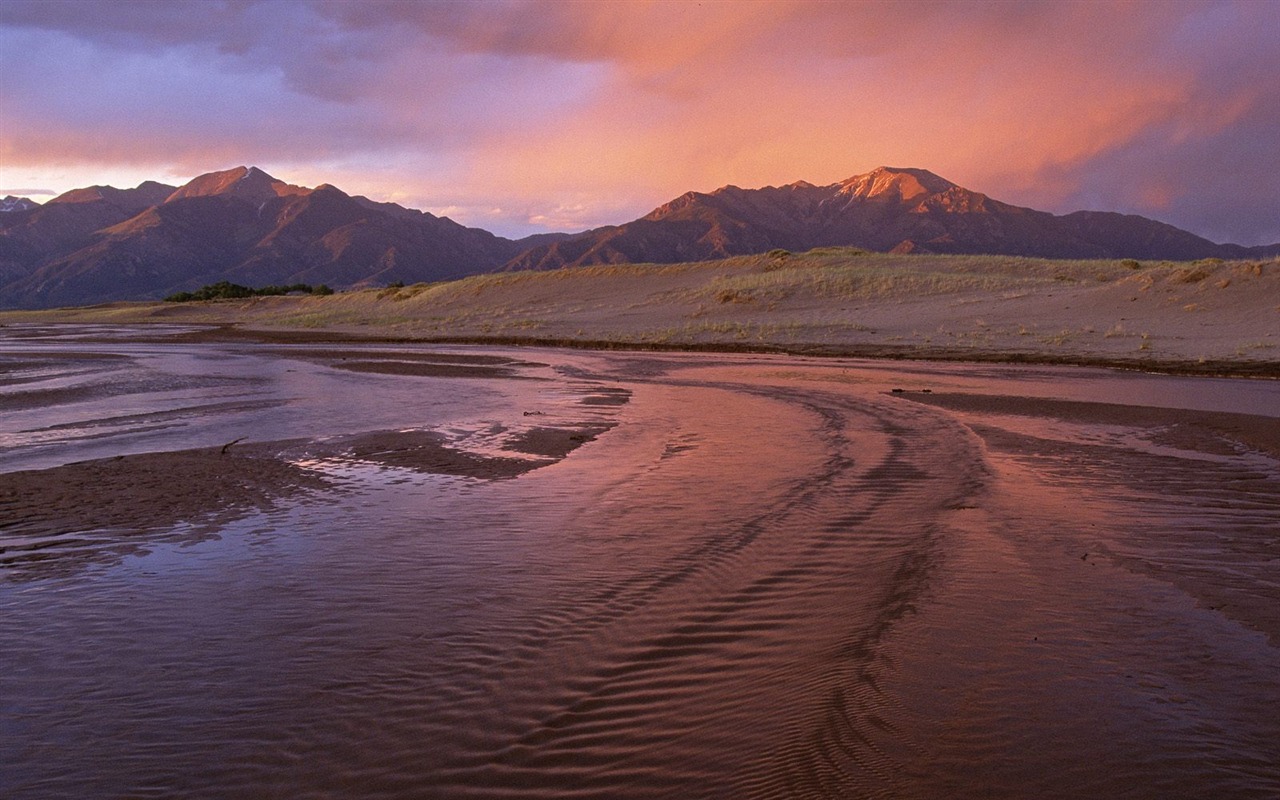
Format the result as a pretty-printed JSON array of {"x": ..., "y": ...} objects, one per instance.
[{"x": 225, "y": 290}]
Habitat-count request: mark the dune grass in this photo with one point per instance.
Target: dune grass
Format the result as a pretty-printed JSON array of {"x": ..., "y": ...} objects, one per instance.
[
  {"x": 828, "y": 298},
  {"x": 827, "y": 273}
]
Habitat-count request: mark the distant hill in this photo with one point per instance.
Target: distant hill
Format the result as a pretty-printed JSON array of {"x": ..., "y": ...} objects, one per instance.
[
  {"x": 240, "y": 225},
  {"x": 243, "y": 226},
  {"x": 886, "y": 210},
  {"x": 11, "y": 203}
]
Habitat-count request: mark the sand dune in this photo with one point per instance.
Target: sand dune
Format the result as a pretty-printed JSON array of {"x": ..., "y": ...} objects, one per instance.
[{"x": 1208, "y": 316}]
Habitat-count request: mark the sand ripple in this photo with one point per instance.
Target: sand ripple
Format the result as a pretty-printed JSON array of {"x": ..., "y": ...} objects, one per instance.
[{"x": 725, "y": 577}]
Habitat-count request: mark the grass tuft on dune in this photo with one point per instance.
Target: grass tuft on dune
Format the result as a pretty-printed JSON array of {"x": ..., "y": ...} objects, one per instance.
[{"x": 1211, "y": 314}]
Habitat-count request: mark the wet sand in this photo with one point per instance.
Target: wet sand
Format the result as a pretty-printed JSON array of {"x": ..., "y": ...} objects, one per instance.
[
  {"x": 1219, "y": 432},
  {"x": 670, "y": 575},
  {"x": 61, "y": 518},
  {"x": 1197, "y": 490},
  {"x": 99, "y": 510}
]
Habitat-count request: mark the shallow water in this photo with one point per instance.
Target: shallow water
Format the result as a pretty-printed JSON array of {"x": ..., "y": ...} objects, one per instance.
[{"x": 772, "y": 577}]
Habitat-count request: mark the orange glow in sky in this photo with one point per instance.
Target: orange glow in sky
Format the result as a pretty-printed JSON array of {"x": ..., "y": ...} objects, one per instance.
[{"x": 530, "y": 116}]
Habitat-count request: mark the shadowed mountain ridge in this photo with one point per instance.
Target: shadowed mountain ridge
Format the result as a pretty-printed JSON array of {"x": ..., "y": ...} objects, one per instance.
[
  {"x": 889, "y": 209},
  {"x": 240, "y": 225},
  {"x": 100, "y": 243}
]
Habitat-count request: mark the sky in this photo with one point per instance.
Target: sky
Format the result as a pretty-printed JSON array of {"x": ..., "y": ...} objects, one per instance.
[{"x": 523, "y": 117}]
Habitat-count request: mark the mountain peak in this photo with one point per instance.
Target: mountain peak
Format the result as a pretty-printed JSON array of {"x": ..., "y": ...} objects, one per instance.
[
  {"x": 897, "y": 183},
  {"x": 12, "y": 203},
  {"x": 147, "y": 193},
  {"x": 246, "y": 183},
  {"x": 87, "y": 194}
]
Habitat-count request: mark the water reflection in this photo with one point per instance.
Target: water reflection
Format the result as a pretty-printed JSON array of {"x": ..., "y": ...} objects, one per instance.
[{"x": 762, "y": 577}]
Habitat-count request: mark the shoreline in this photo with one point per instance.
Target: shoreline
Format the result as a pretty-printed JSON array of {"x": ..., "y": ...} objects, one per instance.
[
  {"x": 67, "y": 516},
  {"x": 1264, "y": 370},
  {"x": 216, "y": 332},
  {"x": 1209, "y": 317}
]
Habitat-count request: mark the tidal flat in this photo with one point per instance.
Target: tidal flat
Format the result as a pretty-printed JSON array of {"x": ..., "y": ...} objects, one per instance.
[{"x": 233, "y": 567}]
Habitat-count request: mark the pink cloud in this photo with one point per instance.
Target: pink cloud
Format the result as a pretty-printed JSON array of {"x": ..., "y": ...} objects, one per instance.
[{"x": 557, "y": 113}]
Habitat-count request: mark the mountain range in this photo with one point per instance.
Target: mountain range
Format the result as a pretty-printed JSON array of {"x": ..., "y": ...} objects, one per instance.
[{"x": 241, "y": 225}]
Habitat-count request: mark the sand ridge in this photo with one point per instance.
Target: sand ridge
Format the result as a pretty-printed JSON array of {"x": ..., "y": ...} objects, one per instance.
[{"x": 1205, "y": 317}]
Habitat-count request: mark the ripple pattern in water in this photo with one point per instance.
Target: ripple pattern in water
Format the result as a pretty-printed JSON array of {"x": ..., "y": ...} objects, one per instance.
[{"x": 770, "y": 578}]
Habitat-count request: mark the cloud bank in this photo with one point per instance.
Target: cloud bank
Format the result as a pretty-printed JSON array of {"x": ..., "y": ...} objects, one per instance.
[{"x": 524, "y": 116}]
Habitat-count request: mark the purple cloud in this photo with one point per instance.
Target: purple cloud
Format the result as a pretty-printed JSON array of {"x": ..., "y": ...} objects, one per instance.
[{"x": 525, "y": 115}]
